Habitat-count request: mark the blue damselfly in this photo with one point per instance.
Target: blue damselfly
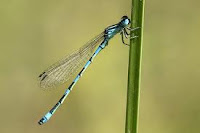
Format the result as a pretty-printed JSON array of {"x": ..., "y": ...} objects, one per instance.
[{"x": 61, "y": 71}]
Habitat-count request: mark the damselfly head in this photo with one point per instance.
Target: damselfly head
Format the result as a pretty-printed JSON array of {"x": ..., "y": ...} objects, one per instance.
[{"x": 125, "y": 21}]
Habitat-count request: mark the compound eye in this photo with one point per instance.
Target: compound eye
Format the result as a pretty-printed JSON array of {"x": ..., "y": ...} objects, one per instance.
[
  {"x": 124, "y": 17},
  {"x": 127, "y": 21}
]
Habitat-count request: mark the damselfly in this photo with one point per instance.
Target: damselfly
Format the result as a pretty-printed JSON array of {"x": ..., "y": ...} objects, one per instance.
[{"x": 61, "y": 71}]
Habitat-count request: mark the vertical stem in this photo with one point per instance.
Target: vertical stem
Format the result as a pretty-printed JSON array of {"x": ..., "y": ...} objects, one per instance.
[{"x": 134, "y": 67}]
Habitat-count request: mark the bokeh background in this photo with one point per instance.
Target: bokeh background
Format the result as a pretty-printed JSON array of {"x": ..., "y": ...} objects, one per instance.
[{"x": 34, "y": 34}]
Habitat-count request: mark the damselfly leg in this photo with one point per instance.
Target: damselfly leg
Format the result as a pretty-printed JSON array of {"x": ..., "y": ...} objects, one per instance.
[
  {"x": 132, "y": 29},
  {"x": 127, "y": 34},
  {"x": 122, "y": 35}
]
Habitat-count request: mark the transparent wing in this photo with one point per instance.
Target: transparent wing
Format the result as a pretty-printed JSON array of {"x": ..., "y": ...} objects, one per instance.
[{"x": 62, "y": 70}]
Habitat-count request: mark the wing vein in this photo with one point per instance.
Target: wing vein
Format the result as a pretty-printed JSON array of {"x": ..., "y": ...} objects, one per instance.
[{"x": 62, "y": 70}]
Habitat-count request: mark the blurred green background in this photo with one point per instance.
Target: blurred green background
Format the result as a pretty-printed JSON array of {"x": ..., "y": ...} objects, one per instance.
[{"x": 34, "y": 34}]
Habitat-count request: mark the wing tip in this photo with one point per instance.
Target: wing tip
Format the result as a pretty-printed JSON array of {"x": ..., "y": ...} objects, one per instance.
[{"x": 42, "y": 76}]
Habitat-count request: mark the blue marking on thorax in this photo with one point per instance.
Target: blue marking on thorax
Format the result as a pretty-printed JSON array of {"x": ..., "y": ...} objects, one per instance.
[{"x": 112, "y": 31}]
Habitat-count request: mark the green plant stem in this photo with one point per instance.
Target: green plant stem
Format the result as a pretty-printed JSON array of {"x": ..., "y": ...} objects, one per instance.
[{"x": 134, "y": 67}]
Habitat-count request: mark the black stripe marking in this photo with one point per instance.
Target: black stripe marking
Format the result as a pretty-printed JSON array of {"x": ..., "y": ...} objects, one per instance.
[
  {"x": 81, "y": 71},
  {"x": 62, "y": 98},
  {"x": 91, "y": 58},
  {"x": 42, "y": 74},
  {"x": 42, "y": 120},
  {"x": 52, "y": 110},
  {"x": 71, "y": 85},
  {"x": 100, "y": 46}
]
